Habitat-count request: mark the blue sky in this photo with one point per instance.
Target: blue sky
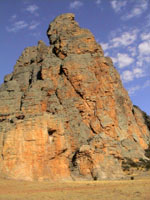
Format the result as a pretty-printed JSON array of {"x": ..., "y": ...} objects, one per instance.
[{"x": 122, "y": 27}]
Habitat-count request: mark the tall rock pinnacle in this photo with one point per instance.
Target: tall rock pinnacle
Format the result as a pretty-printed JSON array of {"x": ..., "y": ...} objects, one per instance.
[
  {"x": 64, "y": 114},
  {"x": 68, "y": 38}
]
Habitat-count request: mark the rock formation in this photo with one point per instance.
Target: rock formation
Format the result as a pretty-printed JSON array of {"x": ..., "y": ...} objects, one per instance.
[{"x": 64, "y": 114}]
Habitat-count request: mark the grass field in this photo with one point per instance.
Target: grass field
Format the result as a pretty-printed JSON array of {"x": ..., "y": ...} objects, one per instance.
[{"x": 96, "y": 190}]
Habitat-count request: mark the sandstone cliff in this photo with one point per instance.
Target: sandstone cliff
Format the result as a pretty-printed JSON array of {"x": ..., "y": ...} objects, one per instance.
[{"x": 64, "y": 113}]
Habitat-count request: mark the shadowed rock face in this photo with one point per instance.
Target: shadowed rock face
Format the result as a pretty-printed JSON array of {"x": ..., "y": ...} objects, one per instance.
[{"x": 64, "y": 113}]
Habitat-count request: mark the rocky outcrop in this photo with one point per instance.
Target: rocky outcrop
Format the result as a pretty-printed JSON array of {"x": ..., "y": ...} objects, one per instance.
[{"x": 64, "y": 113}]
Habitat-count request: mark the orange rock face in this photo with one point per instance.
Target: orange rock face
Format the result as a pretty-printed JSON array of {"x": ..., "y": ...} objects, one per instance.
[{"x": 64, "y": 113}]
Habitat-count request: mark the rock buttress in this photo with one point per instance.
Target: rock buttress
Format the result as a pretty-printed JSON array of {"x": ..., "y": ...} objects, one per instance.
[{"x": 64, "y": 113}]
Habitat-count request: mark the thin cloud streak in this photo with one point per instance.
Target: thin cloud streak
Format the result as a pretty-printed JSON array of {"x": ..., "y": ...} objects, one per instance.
[
  {"x": 17, "y": 26},
  {"x": 98, "y": 2},
  {"x": 144, "y": 48},
  {"x": 139, "y": 7},
  {"x": 125, "y": 39},
  {"x": 32, "y": 9},
  {"x": 33, "y": 25},
  {"x": 123, "y": 60},
  {"x": 118, "y": 5},
  {"x": 13, "y": 17},
  {"x": 130, "y": 75},
  {"x": 134, "y": 89},
  {"x": 76, "y": 4}
]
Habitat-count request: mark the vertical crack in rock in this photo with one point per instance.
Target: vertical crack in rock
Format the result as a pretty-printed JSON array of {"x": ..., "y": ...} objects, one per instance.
[
  {"x": 76, "y": 91},
  {"x": 39, "y": 75},
  {"x": 31, "y": 78},
  {"x": 56, "y": 93},
  {"x": 21, "y": 102}
]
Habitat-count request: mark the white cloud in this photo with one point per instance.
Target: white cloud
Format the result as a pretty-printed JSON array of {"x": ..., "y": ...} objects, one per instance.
[
  {"x": 142, "y": 60},
  {"x": 118, "y": 5},
  {"x": 32, "y": 9},
  {"x": 132, "y": 50},
  {"x": 114, "y": 59},
  {"x": 139, "y": 7},
  {"x": 145, "y": 36},
  {"x": 17, "y": 26},
  {"x": 36, "y": 34},
  {"x": 123, "y": 60},
  {"x": 76, "y": 4},
  {"x": 147, "y": 59},
  {"x": 127, "y": 76},
  {"x": 139, "y": 62},
  {"x": 144, "y": 48},
  {"x": 134, "y": 89},
  {"x": 125, "y": 39},
  {"x": 107, "y": 54},
  {"x": 33, "y": 25},
  {"x": 98, "y": 2},
  {"x": 105, "y": 46},
  {"x": 138, "y": 72}
]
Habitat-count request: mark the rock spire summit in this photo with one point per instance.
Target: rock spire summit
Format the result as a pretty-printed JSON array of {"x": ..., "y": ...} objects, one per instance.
[{"x": 67, "y": 37}]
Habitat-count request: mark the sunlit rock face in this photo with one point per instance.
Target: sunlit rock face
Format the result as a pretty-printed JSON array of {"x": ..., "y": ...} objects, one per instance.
[{"x": 64, "y": 114}]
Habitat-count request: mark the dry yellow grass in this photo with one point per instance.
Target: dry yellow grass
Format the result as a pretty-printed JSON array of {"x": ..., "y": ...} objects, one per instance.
[{"x": 96, "y": 190}]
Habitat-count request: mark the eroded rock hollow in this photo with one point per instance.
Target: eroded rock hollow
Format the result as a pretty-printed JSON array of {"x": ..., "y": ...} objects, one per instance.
[{"x": 64, "y": 113}]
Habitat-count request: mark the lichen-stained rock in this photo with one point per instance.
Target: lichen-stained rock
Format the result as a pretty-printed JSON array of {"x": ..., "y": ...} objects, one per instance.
[
  {"x": 64, "y": 113},
  {"x": 68, "y": 38}
]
